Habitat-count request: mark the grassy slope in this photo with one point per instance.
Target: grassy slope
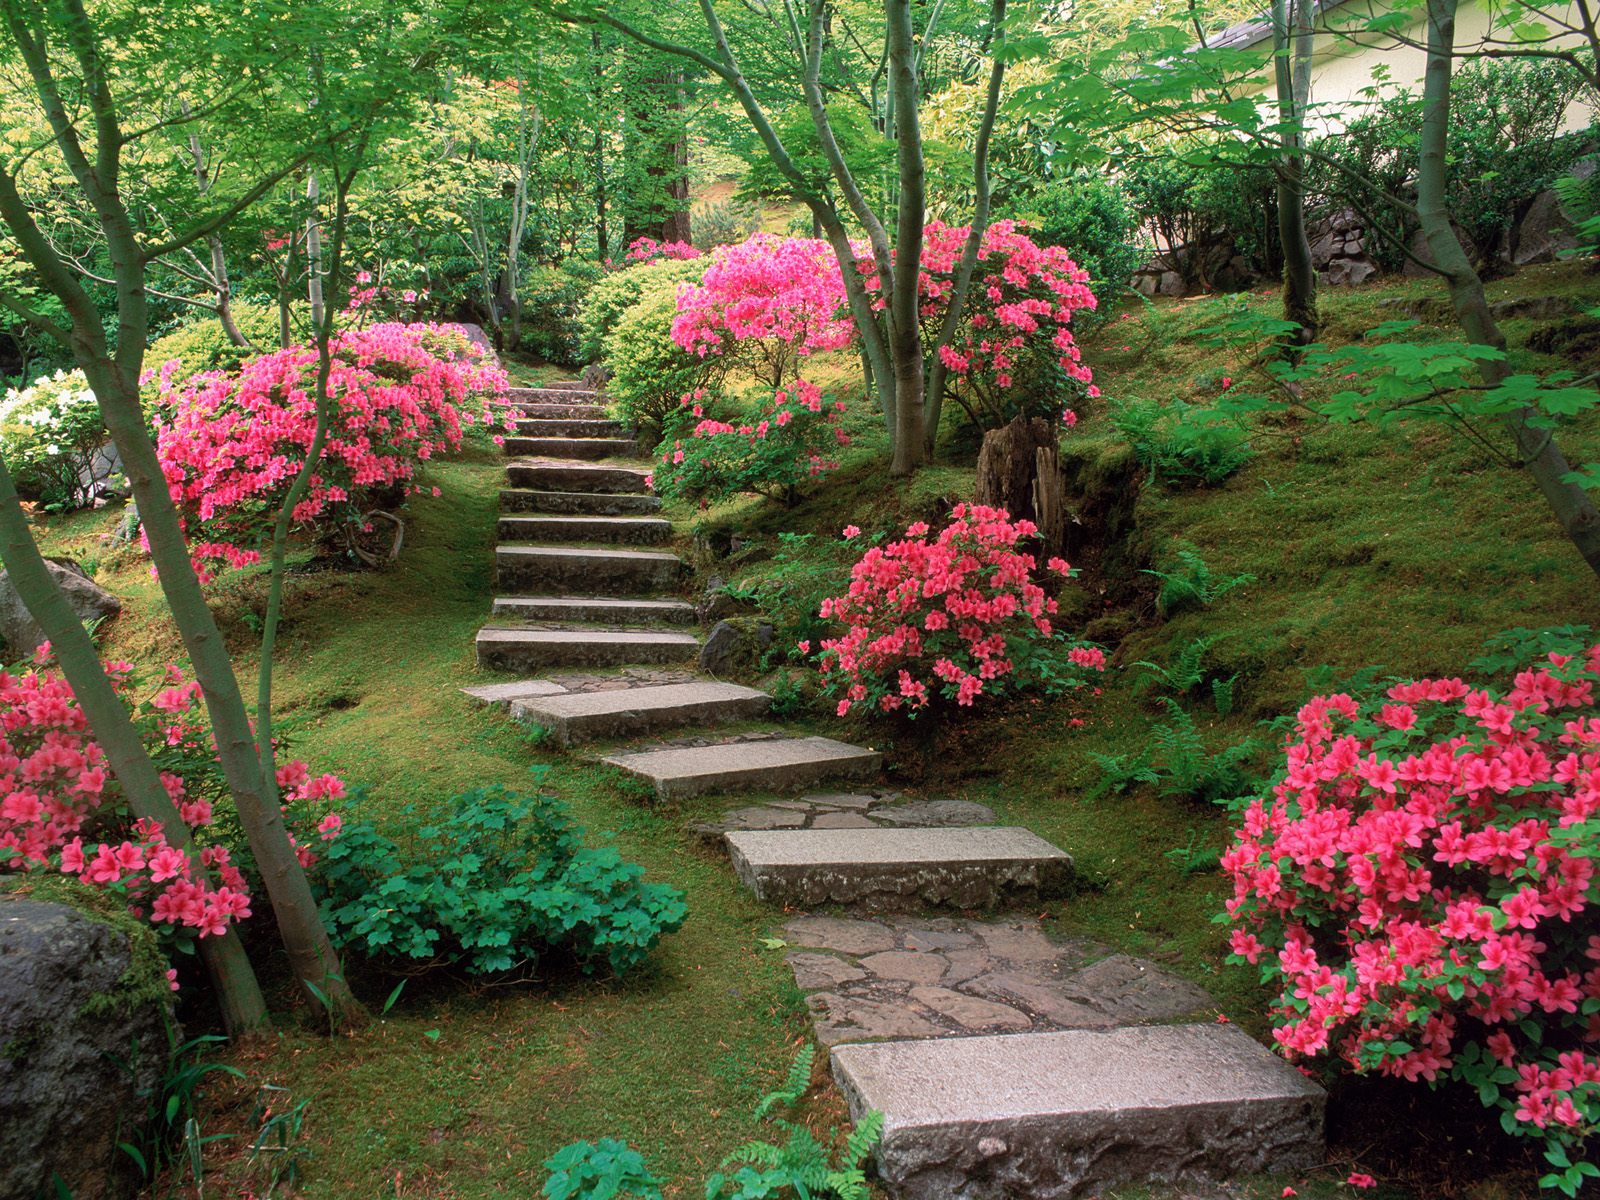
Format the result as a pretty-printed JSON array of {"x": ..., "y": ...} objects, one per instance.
[{"x": 1365, "y": 551}]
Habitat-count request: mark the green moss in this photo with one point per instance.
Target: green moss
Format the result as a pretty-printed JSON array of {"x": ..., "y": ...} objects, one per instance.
[{"x": 144, "y": 981}]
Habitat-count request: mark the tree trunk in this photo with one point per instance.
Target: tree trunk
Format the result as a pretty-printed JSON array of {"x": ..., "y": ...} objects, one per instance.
[
  {"x": 905, "y": 316},
  {"x": 1573, "y": 506},
  {"x": 1019, "y": 470},
  {"x": 238, "y": 994},
  {"x": 601, "y": 233},
  {"x": 1292, "y": 42}
]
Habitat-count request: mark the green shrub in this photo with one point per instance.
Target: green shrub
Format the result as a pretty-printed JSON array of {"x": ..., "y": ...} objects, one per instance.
[
  {"x": 201, "y": 344},
  {"x": 649, "y": 372},
  {"x": 1201, "y": 209},
  {"x": 500, "y": 881},
  {"x": 620, "y": 290},
  {"x": 552, "y": 297},
  {"x": 1177, "y": 762},
  {"x": 723, "y": 223},
  {"x": 1093, "y": 220},
  {"x": 1180, "y": 442},
  {"x": 51, "y": 433}
]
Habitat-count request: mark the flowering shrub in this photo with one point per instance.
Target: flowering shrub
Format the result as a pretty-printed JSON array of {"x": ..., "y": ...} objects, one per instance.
[
  {"x": 647, "y": 249},
  {"x": 770, "y": 300},
  {"x": 51, "y": 434},
  {"x": 946, "y": 618},
  {"x": 60, "y": 809},
  {"x": 231, "y": 444},
  {"x": 649, "y": 373},
  {"x": 1418, "y": 888},
  {"x": 772, "y": 454}
]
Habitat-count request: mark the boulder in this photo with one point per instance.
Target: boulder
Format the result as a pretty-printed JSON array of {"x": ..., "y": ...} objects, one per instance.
[
  {"x": 1347, "y": 272},
  {"x": 717, "y": 603},
  {"x": 1543, "y": 233},
  {"x": 735, "y": 646},
  {"x": 84, "y": 1012},
  {"x": 21, "y": 634}
]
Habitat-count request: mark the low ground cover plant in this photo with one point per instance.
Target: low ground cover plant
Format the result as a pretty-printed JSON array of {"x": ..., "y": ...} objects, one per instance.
[
  {"x": 491, "y": 888},
  {"x": 1418, "y": 889}
]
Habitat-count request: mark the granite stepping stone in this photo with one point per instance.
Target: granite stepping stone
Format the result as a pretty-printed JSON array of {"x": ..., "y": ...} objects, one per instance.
[
  {"x": 497, "y": 694},
  {"x": 563, "y": 528},
  {"x": 535, "y": 649},
  {"x": 585, "y": 716},
  {"x": 572, "y": 475},
  {"x": 1076, "y": 1113},
  {"x": 778, "y": 764},
  {"x": 553, "y": 392},
  {"x": 600, "y": 504},
  {"x": 539, "y": 410},
  {"x": 600, "y": 609},
  {"x": 568, "y": 427},
  {"x": 573, "y": 447},
  {"x": 562, "y": 569},
  {"x": 898, "y": 868}
]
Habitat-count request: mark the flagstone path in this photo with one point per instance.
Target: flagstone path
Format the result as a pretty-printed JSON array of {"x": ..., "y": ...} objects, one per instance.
[{"x": 1006, "y": 1063}]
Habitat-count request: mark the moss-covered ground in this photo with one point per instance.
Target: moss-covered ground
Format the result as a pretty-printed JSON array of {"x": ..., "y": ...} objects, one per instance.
[{"x": 1405, "y": 550}]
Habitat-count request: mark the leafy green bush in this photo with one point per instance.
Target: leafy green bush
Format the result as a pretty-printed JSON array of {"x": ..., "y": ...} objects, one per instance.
[
  {"x": 51, "y": 433},
  {"x": 1180, "y": 442},
  {"x": 723, "y": 223},
  {"x": 1093, "y": 220},
  {"x": 650, "y": 373},
  {"x": 1199, "y": 208},
  {"x": 1177, "y": 762},
  {"x": 501, "y": 880},
  {"x": 552, "y": 297},
  {"x": 619, "y": 291},
  {"x": 803, "y": 1167},
  {"x": 201, "y": 344}
]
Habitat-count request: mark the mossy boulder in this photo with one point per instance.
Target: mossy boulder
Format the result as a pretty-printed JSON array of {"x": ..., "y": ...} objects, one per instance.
[{"x": 84, "y": 1025}]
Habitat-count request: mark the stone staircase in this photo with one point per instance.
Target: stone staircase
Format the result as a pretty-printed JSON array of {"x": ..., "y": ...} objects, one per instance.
[{"x": 1007, "y": 1063}]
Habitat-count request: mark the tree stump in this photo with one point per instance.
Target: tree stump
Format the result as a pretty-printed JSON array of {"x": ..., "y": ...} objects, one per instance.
[{"x": 1019, "y": 470}]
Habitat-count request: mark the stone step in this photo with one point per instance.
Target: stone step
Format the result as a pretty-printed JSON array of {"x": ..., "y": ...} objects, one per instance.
[
  {"x": 596, "y": 608},
  {"x": 535, "y": 409},
  {"x": 584, "y": 571},
  {"x": 1079, "y": 1112},
  {"x": 898, "y": 868},
  {"x": 570, "y": 475},
  {"x": 558, "y": 447},
  {"x": 627, "y": 712},
  {"x": 496, "y": 694},
  {"x": 598, "y": 504},
  {"x": 632, "y": 530},
  {"x": 552, "y": 394},
  {"x": 568, "y": 427},
  {"x": 535, "y": 649},
  {"x": 767, "y": 764},
  {"x": 568, "y": 385}
]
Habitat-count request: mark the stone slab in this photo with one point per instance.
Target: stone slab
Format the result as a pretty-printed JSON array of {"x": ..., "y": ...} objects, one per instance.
[
  {"x": 529, "y": 649},
  {"x": 543, "y": 411},
  {"x": 898, "y": 868},
  {"x": 573, "y": 447},
  {"x": 568, "y": 427},
  {"x": 561, "y": 568},
  {"x": 573, "y": 475},
  {"x": 604, "y": 504},
  {"x": 1057, "y": 1115},
  {"x": 550, "y": 392},
  {"x": 508, "y": 693},
  {"x": 602, "y": 609},
  {"x": 584, "y": 716},
  {"x": 587, "y": 528},
  {"x": 771, "y": 764}
]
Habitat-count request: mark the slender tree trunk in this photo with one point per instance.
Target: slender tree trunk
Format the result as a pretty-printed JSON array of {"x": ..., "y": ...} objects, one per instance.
[
  {"x": 905, "y": 318},
  {"x": 1573, "y": 506},
  {"x": 602, "y": 235},
  {"x": 238, "y": 994},
  {"x": 1292, "y": 42}
]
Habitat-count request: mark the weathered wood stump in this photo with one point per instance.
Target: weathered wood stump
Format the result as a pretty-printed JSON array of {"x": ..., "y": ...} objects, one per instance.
[{"x": 1019, "y": 470}]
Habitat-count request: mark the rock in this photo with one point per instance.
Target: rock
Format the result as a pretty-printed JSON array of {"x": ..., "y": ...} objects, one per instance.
[
  {"x": 1170, "y": 284},
  {"x": 856, "y": 1018},
  {"x": 841, "y": 934},
  {"x": 969, "y": 1012},
  {"x": 813, "y": 972},
  {"x": 1131, "y": 991},
  {"x": 1543, "y": 233},
  {"x": 906, "y": 966},
  {"x": 842, "y": 820},
  {"x": 932, "y": 814},
  {"x": 735, "y": 646},
  {"x": 21, "y": 633},
  {"x": 78, "y": 991},
  {"x": 1347, "y": 272},
  {"x": 1535, "y": 308}
]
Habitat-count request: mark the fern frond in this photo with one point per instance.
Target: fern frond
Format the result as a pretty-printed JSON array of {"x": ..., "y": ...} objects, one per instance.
[
  {"x": 795, "y": 1084},
  {"x": 863, "y": 1138}
]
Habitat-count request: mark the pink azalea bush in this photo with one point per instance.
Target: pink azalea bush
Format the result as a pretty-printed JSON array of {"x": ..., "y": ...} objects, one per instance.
[
  {"x": 788, "y": 442},
  {"x": 769, "y": 300},
  {"x": 61, "y": 810},
  {"x": 231, "y": 443},
  {"x": 1419, "y": 888},
  {"x": 647, "y": 249},
  {"x": 932, "y": 620}
]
